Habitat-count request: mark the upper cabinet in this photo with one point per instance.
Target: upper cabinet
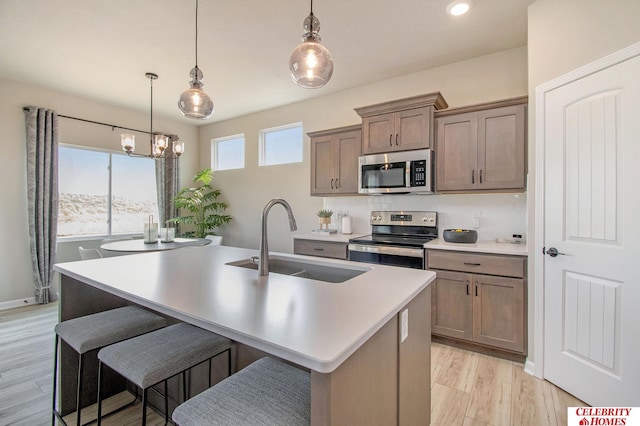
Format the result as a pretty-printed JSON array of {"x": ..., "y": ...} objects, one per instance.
[
  {"x": 482, "y": 147},
  {"x": 400, "y": 125},
  {"x": 334, "y": 161}
]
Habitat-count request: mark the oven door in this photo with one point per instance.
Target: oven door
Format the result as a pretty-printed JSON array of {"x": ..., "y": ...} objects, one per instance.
[{"x": 408, "y": 257}]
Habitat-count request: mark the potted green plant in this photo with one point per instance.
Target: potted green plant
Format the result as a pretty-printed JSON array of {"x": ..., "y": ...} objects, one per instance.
[
  {"x": 201, "y": 206},
  {"x": 325, "y": 217}
]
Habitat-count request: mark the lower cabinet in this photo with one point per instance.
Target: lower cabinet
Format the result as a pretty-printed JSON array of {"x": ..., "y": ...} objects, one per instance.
[{"x": 479, "y": 308}]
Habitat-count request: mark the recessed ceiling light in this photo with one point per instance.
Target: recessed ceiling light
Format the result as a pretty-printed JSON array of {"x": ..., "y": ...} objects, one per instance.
[{"x": 459, "y": 7}]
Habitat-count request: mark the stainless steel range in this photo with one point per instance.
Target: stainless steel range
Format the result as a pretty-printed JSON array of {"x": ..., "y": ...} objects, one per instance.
[{"x": 397, "y": 238}]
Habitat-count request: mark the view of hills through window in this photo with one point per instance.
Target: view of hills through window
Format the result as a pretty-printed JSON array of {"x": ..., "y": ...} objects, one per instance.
[{"x": 86, "y": 186}]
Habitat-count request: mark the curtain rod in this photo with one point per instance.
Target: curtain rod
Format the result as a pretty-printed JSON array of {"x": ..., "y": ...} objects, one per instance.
[{"x": 113, "y": 126}]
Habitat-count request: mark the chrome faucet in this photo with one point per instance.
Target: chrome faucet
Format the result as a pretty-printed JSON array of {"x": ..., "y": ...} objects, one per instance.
[{"x": 263, "y": 261}]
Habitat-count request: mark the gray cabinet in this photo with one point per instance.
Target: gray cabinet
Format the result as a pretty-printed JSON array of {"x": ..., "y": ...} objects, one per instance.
[
  {"x": 399, "y": 125},
  {"x": 334, "y": 161},
  {"x": 482, "y": 147},
  {"x": 479, "y": 298},
  {"x": 332, "y": 249}
]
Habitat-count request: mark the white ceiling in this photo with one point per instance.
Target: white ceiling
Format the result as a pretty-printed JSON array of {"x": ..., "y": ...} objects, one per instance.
[{"x": 101, "y": 49}]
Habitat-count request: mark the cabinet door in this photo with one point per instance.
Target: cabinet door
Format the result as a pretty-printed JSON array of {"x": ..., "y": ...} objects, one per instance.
[
  {"x": 412, "y": 129},
  {"x": 498, "y": 312},
  {"x": 501, "y": 148},
  {"x": 451, "y": 305},
  {"x": 322, "y": 165},
  {"x": 456, "y": 152},
  {"x": 378, "y": 133},
  {"x": 348, "y": 148}
]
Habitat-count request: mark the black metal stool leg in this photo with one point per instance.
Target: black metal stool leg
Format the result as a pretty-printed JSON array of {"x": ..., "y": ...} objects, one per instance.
[
  {"x": 100, "y": 380},
  {"x": 79, "y": 394},
  {"x": 144, "y": 407},
  {"x": 166, "y": 402},
  {"x": 55, "y": 380}
]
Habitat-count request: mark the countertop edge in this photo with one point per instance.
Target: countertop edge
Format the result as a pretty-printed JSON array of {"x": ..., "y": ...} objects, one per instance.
[{"x": 490, "y": 247}]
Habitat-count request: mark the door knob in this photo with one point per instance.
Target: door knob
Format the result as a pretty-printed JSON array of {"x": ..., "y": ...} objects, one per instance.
[{"x": 553, "y": 252}]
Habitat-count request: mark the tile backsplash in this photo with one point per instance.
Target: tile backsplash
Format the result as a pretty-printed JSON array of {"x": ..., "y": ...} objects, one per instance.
[{"x": 499, "y": 216}]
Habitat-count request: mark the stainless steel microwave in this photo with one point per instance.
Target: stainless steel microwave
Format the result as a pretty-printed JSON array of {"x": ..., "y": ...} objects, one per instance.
[{"x": 404, "y": 172}]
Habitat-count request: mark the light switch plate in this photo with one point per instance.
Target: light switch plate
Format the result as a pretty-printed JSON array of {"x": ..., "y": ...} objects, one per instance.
[{"x": 404, "y": 325}]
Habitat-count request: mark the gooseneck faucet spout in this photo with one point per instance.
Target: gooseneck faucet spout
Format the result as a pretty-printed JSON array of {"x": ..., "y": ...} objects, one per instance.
[{"x": 263, "y": 263}]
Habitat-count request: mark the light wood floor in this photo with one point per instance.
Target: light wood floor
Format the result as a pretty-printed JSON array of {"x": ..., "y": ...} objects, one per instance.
[{"x": 468, "y": 389}]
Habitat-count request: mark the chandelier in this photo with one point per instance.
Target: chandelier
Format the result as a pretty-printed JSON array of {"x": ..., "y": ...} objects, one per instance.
[{"x": 158, "y": 142}]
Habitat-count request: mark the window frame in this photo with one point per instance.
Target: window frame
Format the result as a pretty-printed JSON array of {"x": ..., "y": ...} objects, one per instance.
[
  {"x": 214, "y": 151},
  {"x": 262, "y": 147},
  {"x": 109, "y": 197}
]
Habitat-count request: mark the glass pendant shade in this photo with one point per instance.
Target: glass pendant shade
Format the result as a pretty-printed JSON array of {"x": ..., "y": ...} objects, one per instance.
[
  {"x": 128, "y": 142},
  {"x": 310, "y": 63},
  {"x": 161, "y": 142},
  {"x": 195, "y": 103},
  {"x": 178, "y": 148}
]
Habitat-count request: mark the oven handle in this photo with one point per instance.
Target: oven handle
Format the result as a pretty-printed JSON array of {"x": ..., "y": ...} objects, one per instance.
[{"x": 394, "y": 251}]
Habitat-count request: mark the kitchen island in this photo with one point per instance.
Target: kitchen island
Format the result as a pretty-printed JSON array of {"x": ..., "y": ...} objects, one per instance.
[{"x": 366, "y": 340}]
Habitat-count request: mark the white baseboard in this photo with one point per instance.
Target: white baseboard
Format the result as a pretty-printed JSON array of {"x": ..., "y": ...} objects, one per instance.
[
  {"x": 530, "y": 367},
  {"x": 17, "y": 303}
]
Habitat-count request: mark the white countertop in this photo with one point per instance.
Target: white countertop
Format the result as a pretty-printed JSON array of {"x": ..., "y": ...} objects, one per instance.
[
  {"x": 312, "y": 323},
  {"x": 480, "y": 247},
  {"x": 337, "y": 237}
]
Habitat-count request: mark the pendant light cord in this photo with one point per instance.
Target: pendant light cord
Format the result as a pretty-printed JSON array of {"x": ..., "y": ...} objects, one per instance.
[
  {"x": 151, "y": 125},
  {"x": 196, "y": 33}
]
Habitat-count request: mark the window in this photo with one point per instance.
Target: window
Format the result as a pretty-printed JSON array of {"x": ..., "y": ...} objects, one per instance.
[
  {"x": 227, "y": 153},
  {"x": 103, "y": 193},
  {"x": 281, "y": 145}
]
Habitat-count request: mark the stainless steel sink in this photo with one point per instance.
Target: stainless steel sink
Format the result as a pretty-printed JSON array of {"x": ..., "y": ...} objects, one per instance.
[{"x": 315, "y": 271}]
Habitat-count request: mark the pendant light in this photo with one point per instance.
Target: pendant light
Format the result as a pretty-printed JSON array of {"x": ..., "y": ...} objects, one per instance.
[
  {"x": 310, "y": 63},
  {"x": 194, "y": 102}
]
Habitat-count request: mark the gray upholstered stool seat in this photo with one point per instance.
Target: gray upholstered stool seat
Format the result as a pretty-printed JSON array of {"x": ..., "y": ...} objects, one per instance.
[
  {"x": 267, "y": 392},
  {"x": 95, "y": 331},
  {"x": 157, "y": 356}
]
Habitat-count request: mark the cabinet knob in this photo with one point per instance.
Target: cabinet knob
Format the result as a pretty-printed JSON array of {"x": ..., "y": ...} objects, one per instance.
[
  {"x": 331, "y": 183},
  {"x": 473, "y": 176},
  {"x": 396, "y": 139},
  {"x": 480, "y": 175},
  {"x": 390, "y": 143},
  {"x": 337, "y": 183}
]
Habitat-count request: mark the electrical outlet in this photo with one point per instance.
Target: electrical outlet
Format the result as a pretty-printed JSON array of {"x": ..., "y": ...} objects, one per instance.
[{"x": 404, "y": 325}]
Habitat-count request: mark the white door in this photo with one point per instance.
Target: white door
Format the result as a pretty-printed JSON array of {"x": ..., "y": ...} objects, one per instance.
[{"x": 592, "y": 215}]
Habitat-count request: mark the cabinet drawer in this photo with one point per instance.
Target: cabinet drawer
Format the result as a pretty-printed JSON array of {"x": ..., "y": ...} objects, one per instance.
[
  {"x": 489, "y": 264},
  {"x": 336, "y": 250}
]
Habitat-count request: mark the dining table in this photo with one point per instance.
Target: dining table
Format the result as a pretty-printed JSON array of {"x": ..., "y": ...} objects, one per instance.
[{"x": 139, "y": 246}]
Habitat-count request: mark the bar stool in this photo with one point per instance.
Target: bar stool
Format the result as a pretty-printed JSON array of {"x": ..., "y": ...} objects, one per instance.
[
  {"x": 95, "y": 331},
  {"x": 267, "y": 392},
  {"x": 155, "y": 357}
]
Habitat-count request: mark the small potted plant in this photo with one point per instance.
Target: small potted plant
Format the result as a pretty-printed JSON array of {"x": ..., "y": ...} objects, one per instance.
[{"x": 325, "y": 217}]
